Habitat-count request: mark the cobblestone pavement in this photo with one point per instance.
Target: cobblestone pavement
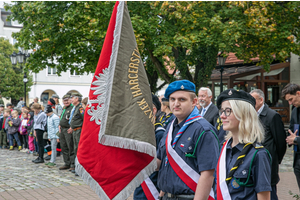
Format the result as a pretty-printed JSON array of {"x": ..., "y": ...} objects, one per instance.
[{"x": 22, "y": 179}]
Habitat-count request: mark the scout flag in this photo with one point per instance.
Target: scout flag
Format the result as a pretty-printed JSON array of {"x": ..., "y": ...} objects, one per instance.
[{"x": 116, "y": 151}]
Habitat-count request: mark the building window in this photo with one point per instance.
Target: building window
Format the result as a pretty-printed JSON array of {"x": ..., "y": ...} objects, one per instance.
[
  {"x": 74, "y": 73},
  {"x": 51, "y": 71}
]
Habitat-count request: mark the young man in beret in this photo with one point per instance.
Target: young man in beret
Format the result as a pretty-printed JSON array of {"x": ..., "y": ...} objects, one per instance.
[{"x": 189, "y": 150}]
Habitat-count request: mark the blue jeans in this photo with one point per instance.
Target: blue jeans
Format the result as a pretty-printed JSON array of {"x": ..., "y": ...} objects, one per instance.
[{"x": 11, "y": 139}]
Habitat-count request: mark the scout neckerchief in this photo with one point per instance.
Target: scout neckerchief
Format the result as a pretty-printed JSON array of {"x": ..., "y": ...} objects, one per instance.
[{"x": 188, "y": 175}]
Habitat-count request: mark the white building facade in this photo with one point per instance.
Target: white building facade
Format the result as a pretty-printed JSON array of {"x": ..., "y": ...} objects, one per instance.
[{"x": 46, "y": 82}]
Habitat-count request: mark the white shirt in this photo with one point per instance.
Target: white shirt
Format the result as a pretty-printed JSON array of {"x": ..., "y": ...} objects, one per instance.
[
  {"x": 260, "y": 109},
  {"x": 206, "y": 108}
]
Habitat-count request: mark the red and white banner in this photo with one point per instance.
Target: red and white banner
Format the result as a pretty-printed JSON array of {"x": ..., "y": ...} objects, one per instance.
[
  {"x": 116, "y": 152},
  {"x": 150, "y": 190},
  {"x": 222, "y": 188},
  {"x": 188, "y": 175}
]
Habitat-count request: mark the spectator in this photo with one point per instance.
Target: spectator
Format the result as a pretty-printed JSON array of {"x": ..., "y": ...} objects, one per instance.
[
  {"x": 84, "y": 102},
  {"x": 14, "y": 122},
  {"x": 40, "y": 120},
  {"x": 23, "y": 130},
  {"x": 208, "y": 110},
  {"x": 52, "y": 125},
  {"x": 9, "y": 106},
  {"x": 279, "y": 103},
  {"x": 35, "y": 100},
  {"x": 20, "y": 104},
  {"x": 3, "y": 134},
  {"x": 58, "y": 108},
  {"x": 30, "y": 131}
]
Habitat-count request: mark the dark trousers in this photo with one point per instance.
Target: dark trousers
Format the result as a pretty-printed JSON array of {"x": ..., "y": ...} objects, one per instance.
[
  {"x": 67, "y": 147},
  {"x": 76, "y": 137},
  {"x": 274, "y": 193},
  {"x": 3, "y": 138},
  {"x": 25, "y": 141},
  {"x": 39, "y": 136}
]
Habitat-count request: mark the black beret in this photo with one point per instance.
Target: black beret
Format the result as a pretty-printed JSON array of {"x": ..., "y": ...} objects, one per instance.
[
  {"x": 52, "y": 101},
  {"x": 184, "y": 85},
  {"x": 232, "y": 94},
  {"x": 156, "y": 101}
]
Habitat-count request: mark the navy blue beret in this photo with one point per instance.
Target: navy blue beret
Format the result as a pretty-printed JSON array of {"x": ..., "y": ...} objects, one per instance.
[
  {"x": 182, "y": 85},
  {"x": 232, "y": 94}
]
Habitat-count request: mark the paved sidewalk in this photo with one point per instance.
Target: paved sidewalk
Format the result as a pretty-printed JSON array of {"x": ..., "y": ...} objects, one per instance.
[{"x": 21, "y": 179}]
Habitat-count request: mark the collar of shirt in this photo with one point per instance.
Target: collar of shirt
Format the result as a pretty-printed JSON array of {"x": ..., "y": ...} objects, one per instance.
[
  {"x": 239, "y": 146},
  {"x": 260, "y": 110},
  {"x": 207, "y": 107}
]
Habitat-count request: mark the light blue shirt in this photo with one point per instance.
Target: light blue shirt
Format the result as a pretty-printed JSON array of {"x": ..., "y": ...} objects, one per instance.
[{"x": 53, "y": 123}]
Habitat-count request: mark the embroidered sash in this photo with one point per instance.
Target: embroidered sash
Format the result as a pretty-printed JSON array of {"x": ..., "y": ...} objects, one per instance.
[
  {"x": 150, "y": 190},
  {"x": 188, "y": 175},
  {"x": 222, "y": 188}
]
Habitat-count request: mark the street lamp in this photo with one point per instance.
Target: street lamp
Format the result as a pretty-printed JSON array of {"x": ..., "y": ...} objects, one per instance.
[
  {"x": 221, "y": 61},
  {"x": 21, "y": 58}
]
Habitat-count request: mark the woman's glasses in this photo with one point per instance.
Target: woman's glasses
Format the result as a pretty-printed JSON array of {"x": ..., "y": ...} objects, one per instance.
[{"x": 226, "y": 111}]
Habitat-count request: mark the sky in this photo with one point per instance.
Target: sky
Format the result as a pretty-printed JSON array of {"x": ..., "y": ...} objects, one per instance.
[{"x": 2, "y": 3}]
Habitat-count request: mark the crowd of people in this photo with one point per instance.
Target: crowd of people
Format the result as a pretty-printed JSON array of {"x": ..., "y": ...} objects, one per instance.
[
  {"x": 231, "y": 150},
  {"x": 37, "y": 130}
]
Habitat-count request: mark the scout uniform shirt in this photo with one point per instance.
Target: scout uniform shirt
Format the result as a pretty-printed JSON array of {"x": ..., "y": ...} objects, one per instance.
[
  {"x": 64, "y": 119},
  {"x": 198, "y": 140},
  {"x": 77, "y": 119},
  {"x": 260, "y": 172}
]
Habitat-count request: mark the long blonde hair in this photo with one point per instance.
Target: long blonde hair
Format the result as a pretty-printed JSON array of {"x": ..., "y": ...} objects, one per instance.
[{"x": 250, "y": 128}]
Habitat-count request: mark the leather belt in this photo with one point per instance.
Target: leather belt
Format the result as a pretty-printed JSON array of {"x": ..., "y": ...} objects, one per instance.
[
  {"x": 182, "y": 196},
  {"x": 75, "y": 129}
]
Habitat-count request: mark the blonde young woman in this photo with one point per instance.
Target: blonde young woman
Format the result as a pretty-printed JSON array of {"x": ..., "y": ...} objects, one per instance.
[{"x": 244, "y": 166}]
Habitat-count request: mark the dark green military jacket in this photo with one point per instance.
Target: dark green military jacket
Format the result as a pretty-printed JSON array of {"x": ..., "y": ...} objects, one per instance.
[
  {"x": 77, "y": 119},
  {"x": 64, "y": 118}
]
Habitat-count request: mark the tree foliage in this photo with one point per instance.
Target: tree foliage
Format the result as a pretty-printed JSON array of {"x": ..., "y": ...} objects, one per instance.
[
  {"x": 11, "y": 79},
  {"x": 176, "y": 36}
]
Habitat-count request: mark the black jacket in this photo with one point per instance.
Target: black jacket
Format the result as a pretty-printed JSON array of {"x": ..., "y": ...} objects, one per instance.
[
  {"x": 274, "y": 140},
  {"x": 211, "y": 115},
  {"x": 295, "y": 119}
]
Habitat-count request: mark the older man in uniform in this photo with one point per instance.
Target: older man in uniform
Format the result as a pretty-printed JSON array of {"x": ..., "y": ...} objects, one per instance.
[
  {"x": 76, "y": 121},
  {"x": 66, "y": 139},
  {"x": 189, "y": 150}
]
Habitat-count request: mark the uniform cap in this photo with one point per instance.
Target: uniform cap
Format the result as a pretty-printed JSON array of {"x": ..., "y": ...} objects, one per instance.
[
  {"x": 182, "y": 85},
  {"x": 8, "y": 104},
  {"x": 66, "y": 96},
  {"x": 1, "y": 105},
  {"x": 232, "y": 94},
  {"x": 76, "y": 95},
  {"x": 55, "y": 96}
]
